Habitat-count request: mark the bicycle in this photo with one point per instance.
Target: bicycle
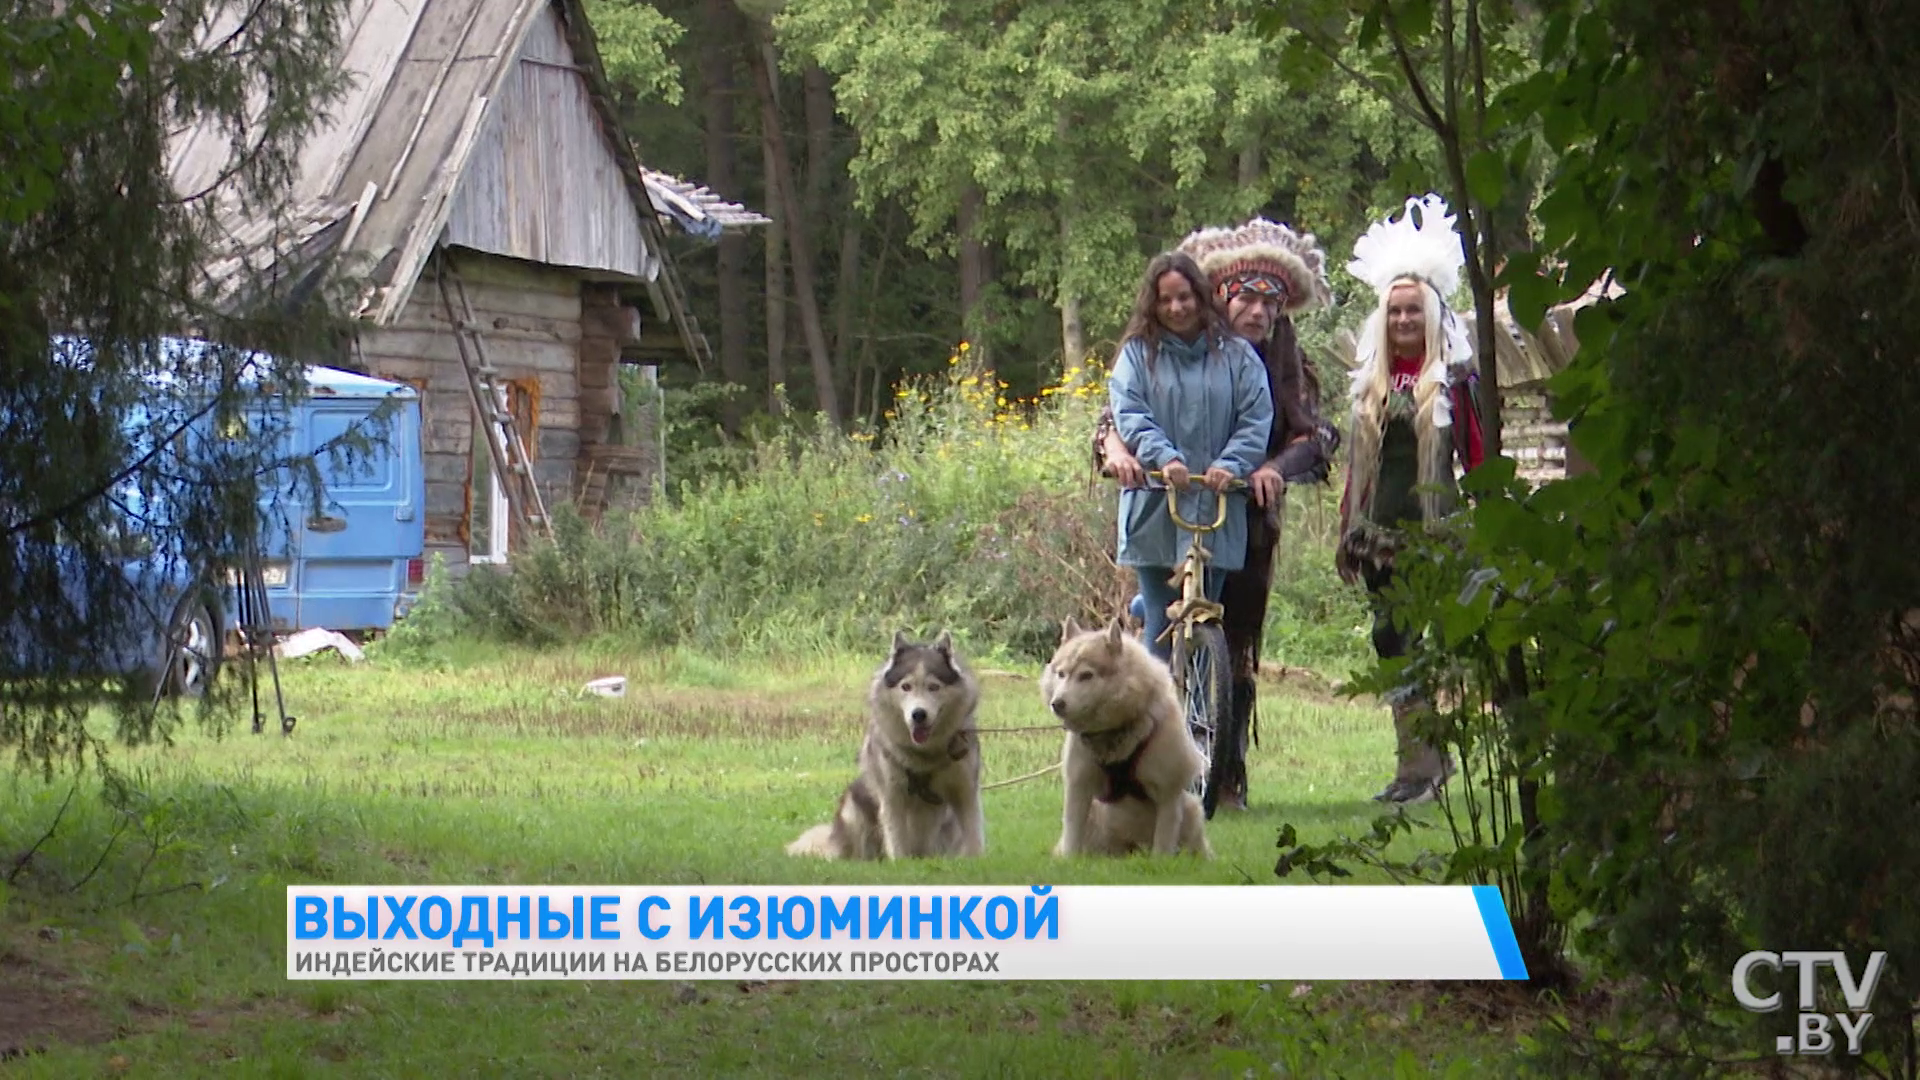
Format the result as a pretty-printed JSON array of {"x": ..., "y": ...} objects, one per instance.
[{"x": 1202, "y": 668}]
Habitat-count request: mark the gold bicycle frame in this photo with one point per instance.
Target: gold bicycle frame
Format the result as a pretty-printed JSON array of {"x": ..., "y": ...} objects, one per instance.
[{"x": 1193, "y": 606}]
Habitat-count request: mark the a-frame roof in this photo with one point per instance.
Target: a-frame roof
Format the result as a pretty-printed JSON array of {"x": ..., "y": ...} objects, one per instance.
[{"x": 375, "y": 185}]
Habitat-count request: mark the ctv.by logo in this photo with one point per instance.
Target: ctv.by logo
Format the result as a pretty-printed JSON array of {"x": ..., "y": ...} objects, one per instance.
[{"x": 1814, "y": 1034}]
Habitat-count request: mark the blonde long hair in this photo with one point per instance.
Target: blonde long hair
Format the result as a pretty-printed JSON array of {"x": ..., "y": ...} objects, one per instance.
[{"x": 1371, "y": 385}]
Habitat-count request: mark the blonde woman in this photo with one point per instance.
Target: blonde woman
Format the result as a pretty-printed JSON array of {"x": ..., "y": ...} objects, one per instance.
[{"x": 1414, "y": 417}]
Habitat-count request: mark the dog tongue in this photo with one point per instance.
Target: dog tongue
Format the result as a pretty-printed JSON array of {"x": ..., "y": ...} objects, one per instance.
[{"x": 921, "y": 734}]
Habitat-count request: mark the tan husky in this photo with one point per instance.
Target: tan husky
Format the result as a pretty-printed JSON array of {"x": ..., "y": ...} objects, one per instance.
[{"x": 1129, "y": 759}]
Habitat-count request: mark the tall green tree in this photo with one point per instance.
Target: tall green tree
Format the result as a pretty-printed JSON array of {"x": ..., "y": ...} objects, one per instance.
[
  {"x": 1717, "y": 626},
  {"x": 1017, "y": 213},
  {"x": 1093, "y": 134},
  {"x": 1443, "y": 64},
  {"x": 1749, "y": 171},
  {"x": 97, "y": 244}
]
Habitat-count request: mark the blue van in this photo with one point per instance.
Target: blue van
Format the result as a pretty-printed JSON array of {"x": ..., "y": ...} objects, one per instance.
[{"x": 352, "y": 565}]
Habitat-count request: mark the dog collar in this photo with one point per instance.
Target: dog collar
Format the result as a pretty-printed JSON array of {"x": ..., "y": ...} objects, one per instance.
[
  {"x": 1104, "y": 741},
  {"x": 961, "y": 744},
  {"x": 920, "y": 785},
  {"x": 920, "y": 781}
]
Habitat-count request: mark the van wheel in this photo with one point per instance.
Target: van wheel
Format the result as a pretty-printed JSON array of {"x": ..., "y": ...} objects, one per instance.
[{"x": 193, "y": 654}]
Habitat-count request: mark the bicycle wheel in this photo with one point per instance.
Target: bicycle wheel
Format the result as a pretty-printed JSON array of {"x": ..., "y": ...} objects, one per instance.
[{"x": 1209, "y": 705}]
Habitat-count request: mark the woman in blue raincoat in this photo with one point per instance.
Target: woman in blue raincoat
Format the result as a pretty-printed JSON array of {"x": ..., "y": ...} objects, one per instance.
[{"x": 1190, "y": 400}]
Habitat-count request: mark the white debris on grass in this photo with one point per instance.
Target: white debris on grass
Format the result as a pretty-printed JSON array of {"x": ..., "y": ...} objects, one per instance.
[
  {"x": 318, "y": 639},
  {"x": 610, "y": 686}
]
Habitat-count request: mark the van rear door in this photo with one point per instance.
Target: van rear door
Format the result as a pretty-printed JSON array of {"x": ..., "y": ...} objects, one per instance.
[{"x": 354, "y": 549}]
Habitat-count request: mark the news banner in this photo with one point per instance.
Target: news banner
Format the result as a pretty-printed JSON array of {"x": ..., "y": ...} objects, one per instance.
[{"x": 883, "y": 932}]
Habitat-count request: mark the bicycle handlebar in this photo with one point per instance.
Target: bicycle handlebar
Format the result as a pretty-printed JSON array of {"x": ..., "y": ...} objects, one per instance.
[
  {"x": 1236, "y": 484},
  {"x": 1220, "y": 504}
]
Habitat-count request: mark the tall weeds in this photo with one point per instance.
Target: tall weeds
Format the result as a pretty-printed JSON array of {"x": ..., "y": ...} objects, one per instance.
[{"x": 970, "y": 512}]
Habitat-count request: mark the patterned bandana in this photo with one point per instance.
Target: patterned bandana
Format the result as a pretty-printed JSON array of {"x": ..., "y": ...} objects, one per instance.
[{"x": 1254, "y": 282}]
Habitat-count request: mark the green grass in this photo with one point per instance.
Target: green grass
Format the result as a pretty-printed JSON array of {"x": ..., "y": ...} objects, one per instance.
[{"x": 496, "y": 769}]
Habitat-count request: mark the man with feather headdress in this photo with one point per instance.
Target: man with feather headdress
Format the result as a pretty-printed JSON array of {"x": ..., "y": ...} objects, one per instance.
[
  {"x": 1263, "y": 274},
  {"x": 1414, "y": 417}
]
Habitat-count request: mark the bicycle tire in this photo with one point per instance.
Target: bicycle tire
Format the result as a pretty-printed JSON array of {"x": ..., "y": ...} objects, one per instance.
[{"x": 1209, "y": 708}]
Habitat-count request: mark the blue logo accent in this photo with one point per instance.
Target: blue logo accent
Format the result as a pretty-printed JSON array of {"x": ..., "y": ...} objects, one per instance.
[{"x": 1506, "y": 949}]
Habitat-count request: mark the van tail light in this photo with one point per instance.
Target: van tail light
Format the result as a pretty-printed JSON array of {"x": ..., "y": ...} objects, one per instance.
[{"x": 416, "y": 571}]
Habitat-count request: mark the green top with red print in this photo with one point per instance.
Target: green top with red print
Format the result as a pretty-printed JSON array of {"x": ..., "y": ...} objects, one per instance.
[{"x": 1394, "y": 499}]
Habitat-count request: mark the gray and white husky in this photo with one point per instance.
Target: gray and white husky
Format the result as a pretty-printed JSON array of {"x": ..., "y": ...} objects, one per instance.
[{"x": 918, "y": 789}]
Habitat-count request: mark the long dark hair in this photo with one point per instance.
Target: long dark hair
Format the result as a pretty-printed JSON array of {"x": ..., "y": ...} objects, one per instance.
[
  {"x": 1285, "y": 341},
  {"x": 1144, "y": 323}
]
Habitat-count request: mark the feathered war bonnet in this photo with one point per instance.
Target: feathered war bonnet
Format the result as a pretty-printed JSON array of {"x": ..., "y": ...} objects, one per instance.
[
  {"x": 1265, "y": 258},
  {"x": 1396, "y": 249}
]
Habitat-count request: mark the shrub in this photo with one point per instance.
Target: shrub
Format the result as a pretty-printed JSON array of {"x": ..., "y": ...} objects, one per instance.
[{"x": 970, "y": 511}]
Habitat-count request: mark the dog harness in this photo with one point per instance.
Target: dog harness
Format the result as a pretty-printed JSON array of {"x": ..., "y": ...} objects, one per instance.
[
  {"x": 919, "y": 782},
  {"x": 1122, "y": 783}
]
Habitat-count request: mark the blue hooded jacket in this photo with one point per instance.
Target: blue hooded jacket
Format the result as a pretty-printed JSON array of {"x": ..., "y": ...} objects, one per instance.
[{"x": 1205, "y": 403}]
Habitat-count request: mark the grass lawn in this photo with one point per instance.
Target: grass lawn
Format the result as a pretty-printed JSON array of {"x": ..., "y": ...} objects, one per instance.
[{"x": 169, "y": 957}]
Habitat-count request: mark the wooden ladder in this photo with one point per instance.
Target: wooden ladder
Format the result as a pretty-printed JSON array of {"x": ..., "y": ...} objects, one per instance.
[
  {"x": 511, "y": 461},
  {"x": 680, "y": 313},
  {"x": 689, "y": 327}
]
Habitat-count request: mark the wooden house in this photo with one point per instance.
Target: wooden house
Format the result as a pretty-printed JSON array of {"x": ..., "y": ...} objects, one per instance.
[
  {"x": 476, "y": 176},
  {"x": 1526, "y": 360}
]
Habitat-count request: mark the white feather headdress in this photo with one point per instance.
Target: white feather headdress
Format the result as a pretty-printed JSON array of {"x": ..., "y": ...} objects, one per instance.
[{"x": 1396, "y": 247}]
